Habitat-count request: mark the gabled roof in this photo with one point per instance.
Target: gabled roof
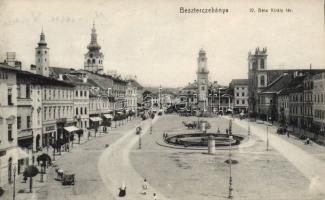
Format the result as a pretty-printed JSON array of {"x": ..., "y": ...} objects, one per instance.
[
  {"x": 296, "y": 85},
  {"x": 278, "y": 84}
]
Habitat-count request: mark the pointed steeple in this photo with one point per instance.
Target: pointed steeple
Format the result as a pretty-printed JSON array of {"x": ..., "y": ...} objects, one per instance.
[
  {"x": 93, "y": 41},
  {"x": 42, "y": 41}
]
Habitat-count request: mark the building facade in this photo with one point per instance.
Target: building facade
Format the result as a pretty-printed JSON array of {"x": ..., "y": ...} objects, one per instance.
[
  {"x": 8, "y": 123},
  {"x": 319, "y": 105},
  {"x": 240, "y": 88}
]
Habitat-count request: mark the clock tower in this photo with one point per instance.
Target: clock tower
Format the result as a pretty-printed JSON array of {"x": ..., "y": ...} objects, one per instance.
[{"x": 203, "y": 81}]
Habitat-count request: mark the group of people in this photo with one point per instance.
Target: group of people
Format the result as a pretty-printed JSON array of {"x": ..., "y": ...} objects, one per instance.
[{"x": 122, "y": 192}]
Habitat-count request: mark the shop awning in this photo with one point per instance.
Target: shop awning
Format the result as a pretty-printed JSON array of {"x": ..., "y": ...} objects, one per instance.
[
  {"x": 71, "y": 128},
  {"x": 108, "y": 116},
  {"x": 95, "y": 119}
]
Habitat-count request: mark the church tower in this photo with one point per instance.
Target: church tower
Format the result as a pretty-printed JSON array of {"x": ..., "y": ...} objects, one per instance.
[
  {"x": 257, "y": 76},
  {"x": 202, "y": 81},
  {"x": 42, "y": 57},
  {"x": 94, "y": 58}
]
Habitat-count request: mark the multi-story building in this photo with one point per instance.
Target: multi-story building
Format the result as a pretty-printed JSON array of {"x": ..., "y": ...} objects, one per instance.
[
  {"x": 29, "y": 115},
  {"x": 308, "y": 102},
  {"x": 80, "y": 94},
  {"x": 267, "y": 105},
  {"x": 240, "y": 88},
  {"x": 259, "y": 77},
  {"x": 319, "y": 106},
  {"x": 8, "y": 123},
  {"x": 131, "y": 97}
]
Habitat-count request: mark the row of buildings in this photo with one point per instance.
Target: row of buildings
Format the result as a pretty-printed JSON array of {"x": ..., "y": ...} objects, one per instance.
[
  {"x": 46, "y": 105},
  {"x": 293, "y": 96}
]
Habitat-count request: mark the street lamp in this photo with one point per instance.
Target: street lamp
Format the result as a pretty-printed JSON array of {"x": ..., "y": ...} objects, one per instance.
[
  {"x": 14, "y": 187},
  {"x": 267, "y": 137},
  {"x": 230, "y": 162}
]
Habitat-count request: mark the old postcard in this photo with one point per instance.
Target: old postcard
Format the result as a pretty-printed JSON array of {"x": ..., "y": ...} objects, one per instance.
[{"x": 178, "y": 100}]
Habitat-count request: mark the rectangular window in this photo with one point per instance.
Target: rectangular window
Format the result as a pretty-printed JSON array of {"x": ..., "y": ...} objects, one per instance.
[
  {"x": 27, "y": 91},
  {"x": 10, "y": 132},
  {"x": 80, "y": 93},
  {"x": 10, "y": 97},
  {"x": 242, "y": 101},
  {"x": 85, "y": 111},
  {"x": 18, "y": 91},
  {"x": 29, "y": 124},
  {"x": 85, "y": 93},
  {"x": 76, "y": 111},
  {"x": 19, "y": 122},
  {"x": 76, "y": 93},
  {"x": 242, "y": 94},
  {"x": 237, "y": 101}
]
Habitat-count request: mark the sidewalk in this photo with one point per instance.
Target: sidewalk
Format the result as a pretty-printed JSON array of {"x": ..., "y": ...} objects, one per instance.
[{"x": 22, "y": 189}]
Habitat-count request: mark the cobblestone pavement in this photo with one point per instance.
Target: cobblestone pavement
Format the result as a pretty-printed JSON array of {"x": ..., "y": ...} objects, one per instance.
[{"x": 193, "y": 174}]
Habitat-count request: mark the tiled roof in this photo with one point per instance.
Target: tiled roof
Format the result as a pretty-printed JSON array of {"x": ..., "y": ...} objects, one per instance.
[
  {"x": 40, "y": 80},
  {"x": 278, "y": 84},
  {"x": 295, "y": 85},
  {"x": 239, "y": 81}
]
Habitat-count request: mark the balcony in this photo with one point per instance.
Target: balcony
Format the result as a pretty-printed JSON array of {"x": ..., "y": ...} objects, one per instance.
[
  {"x": 24, "y": 102},
  {"x": 25, "y": 133}
]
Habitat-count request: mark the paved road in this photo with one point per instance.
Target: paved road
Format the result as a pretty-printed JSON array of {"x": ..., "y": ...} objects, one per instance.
[
  {"x": 311, "y": 167},
  {"x": 82, "y": 161},
  {"x": 114, "y": 167}
]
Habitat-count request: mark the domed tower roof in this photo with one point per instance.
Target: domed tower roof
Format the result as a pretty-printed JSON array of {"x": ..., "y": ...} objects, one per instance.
[
  {"x": 93, "y": 45},
  {"x": 202, "y": 51},
  {"x": 42, "y": 41}
]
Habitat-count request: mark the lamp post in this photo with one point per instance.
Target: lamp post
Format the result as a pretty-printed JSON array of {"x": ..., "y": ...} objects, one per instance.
[
  {"x": 230, "y": 175},
  {"x": 14, "y": 186},
  {"x": 267, "y": 137}
]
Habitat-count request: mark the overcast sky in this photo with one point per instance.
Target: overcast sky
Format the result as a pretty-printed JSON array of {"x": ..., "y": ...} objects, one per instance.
[{"x": 158, "y": 44}]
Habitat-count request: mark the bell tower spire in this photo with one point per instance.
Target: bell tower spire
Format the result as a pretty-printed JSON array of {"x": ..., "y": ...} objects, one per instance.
[{"x": 94, "y": 58}]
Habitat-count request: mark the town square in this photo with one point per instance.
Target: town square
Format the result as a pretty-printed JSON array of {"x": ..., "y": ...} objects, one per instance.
[{"x": 150, "y": 103}]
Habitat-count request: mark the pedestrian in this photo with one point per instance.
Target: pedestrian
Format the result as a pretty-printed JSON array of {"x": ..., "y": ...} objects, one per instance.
[
  {"x": 144, "y": 187},
  {"x": 218, "y": 131},
  {"x": 154, "y": 196},
  {"x": 122, "y": 192},
  {"x": 288, "y": 134}
]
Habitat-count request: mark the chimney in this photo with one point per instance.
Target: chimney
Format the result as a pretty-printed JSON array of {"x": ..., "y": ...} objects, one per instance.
[
  {"x": 84, "y": 79},
  {"x": 11, "y": 58},
  {"x": 61, "y": 77}
]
